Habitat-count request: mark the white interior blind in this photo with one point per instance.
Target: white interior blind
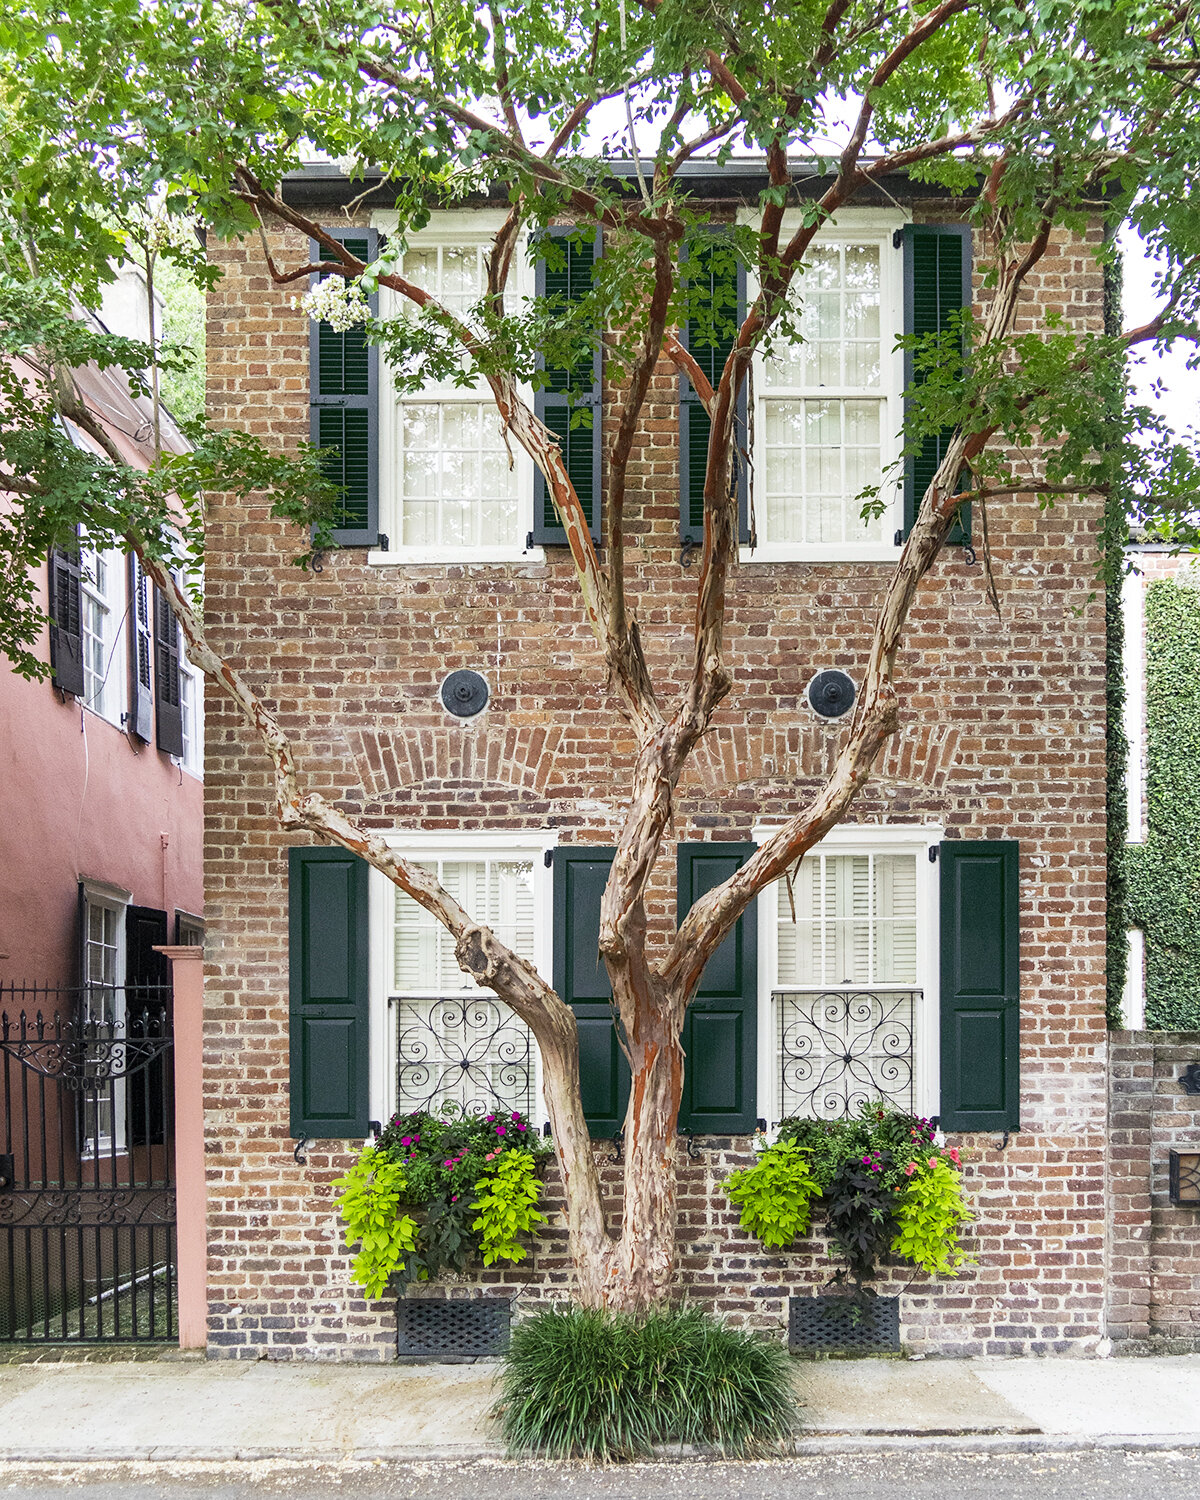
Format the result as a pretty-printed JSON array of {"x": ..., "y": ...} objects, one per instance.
[{"x": 856, "y": 921}]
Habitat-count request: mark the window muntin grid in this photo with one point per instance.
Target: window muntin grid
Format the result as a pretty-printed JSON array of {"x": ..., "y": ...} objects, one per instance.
[
  {"x": 103, "y": 1006},
  {"x": 454, "y": 485},
  {"x": 824, "y": 403},
  {"x": 101, "y": 624},
  {"x": 856, "y": 922}
]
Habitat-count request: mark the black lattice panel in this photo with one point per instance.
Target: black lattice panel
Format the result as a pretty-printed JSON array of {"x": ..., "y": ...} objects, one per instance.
[
  {"x": 825, "y": 1325},
  {"x": 432, "y": 1328}
]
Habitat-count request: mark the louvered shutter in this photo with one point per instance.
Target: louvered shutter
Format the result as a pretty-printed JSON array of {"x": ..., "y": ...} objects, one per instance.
[
  {"x": 141, "y": 653},
  {"x": 329, "y": 993},
  {"x": 581, "y": 979},
  {"x": 720, "y": 1030},
  {"x": 937, "y": 282},
  {"x": 980, "y": 986},
  {"x": 168, "y": 700},
  {"x": 344, "y": 402},
  {"x": 722, "y": 279},
  {"x": 569, "y": 391},
  {"x": 66, "y": 621}
]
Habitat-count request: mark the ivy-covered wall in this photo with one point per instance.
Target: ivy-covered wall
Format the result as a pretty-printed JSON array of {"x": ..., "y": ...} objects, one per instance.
[{"x": 1163, "y": 874}]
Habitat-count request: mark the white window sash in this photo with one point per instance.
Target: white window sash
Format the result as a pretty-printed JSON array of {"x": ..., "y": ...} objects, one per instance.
[
  {"x": 449, "y": 230},
  {"x": 859, "y": 839},
  {"x": 96, "y": 1142},
  {"x": 864, "y": 227},
  {"x": 451, "y": 846}
]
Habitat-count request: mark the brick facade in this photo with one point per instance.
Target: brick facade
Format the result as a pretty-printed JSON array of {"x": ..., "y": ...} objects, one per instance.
[
  {"x": 1154, "y": 1247},
  {"x": 1003, "y": 738}
]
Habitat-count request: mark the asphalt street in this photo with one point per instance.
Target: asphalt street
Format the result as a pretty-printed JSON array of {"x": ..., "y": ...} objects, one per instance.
[{"x": 907, "y": 1473}]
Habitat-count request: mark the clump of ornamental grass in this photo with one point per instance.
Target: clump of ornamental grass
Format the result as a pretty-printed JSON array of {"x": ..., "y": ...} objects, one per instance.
[{"x": 583, "y": 1383}]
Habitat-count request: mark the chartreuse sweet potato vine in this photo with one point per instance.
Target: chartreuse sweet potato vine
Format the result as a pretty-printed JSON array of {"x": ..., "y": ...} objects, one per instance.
[
  {"x": 883, "y": 1181},
  {"x": 438, "y": 1190}
]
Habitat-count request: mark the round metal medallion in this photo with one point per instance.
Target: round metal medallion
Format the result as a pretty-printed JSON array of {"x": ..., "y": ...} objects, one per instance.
[
  {"x": 831, "y": 693},
  {"x": 464, "y": 694}
]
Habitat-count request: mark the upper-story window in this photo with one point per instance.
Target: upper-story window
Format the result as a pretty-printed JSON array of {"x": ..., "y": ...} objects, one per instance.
[
  {"x": 450, "y": 488},
  {"x": 827, "y": 402},
  {"x": 102, "y": 594}
]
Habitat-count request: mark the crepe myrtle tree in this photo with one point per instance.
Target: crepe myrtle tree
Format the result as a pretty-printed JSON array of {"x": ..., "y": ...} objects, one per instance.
[{"x": 1044, "y": 115}]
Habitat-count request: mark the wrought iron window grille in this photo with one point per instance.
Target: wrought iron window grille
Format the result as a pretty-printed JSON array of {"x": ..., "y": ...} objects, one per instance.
[
  {"x": 840, "y": 1048},
  {"x": 470, "y": 1049}
]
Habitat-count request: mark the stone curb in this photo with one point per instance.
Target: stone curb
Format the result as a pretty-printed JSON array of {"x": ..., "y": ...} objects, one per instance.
[{"x": 812, "y": 1447}]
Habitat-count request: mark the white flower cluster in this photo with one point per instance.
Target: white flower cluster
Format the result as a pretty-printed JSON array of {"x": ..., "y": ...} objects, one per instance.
[{"x": 335, "y": 301}]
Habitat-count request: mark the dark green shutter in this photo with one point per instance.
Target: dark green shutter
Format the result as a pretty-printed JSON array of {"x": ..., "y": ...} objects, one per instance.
[
  {"x": 980, "y": 991},
  {"x": 710, "y": 341},
  {"x": 344, "y": 405},
  {"x": 937, "y": 282},
  {"x": 720, "y": 1029},
  {"x": 328, "y": 964},
  {"x": 569, "y": 390},
  {"x": 66, "y": 620},
  {"x": 581, "y": 979}
]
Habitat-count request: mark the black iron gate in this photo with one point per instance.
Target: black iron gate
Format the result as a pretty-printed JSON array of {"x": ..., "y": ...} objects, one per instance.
[{"x": 87, "y": 1204}]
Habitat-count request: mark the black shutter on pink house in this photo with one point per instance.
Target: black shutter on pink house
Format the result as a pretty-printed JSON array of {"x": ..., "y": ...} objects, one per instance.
[
  {"x": 66, "y": 620},
  {"x": 344, "y": 404},
  {"x": 168, "y": 698},
  {"x": 329, "y": 993}
]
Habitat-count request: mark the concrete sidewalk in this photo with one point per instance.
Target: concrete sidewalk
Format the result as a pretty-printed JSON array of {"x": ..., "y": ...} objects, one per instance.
[{"x": 184, "y": 1410}]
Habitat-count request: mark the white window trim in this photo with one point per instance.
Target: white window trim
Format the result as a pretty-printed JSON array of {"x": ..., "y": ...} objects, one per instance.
[
  {"x": 860, "y": 225},
  {"x": 451, "y": 844},
  {"x": 115, "y": 899},
  {"x": 192, "y": 761},
  {"x": 114, "y": 601},
  {"x": 457, "y": 228},
  {"x": 1133, "y": 618},
  {"x": 863, "y": 838}
]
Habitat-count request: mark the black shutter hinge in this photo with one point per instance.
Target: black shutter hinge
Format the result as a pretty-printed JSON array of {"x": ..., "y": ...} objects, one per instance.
[
  {"x": 933, "y": 853},
  {"x": 897, "y": 238},
  {"x": 382, "y": 542},
  {"x": 548, "y": 858},
  {"x": 529, "y": 541},
  {"x": 375, "y": 1128},
  {"x": 898, "y": 539}
]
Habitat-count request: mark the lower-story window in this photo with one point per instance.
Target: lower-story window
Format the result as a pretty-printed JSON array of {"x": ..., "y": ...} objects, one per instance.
[
  {"x": 446, "y": 1038},
  {"x": 849, "y": 1008}
]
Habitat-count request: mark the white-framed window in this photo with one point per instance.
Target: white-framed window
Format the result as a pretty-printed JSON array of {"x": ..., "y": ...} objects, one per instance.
[
  {"x": 848, "y": 976},
  {"x": 103, "y": 1014},
  {"x": 102, "y": 615},
  {"x": 436, "y": 1035},
  {"x": 191, "y": 708},
  {"x": 450, "y": 488},
  {"x": 827, "y": 404}
]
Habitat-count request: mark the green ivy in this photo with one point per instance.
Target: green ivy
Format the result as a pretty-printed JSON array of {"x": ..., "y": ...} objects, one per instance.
[
  {"x": 776, "y": 1195},
  {"x": 507, "y": 1207},
  {"x": 1164, "y": 872},
  {"x": 369, "y": 1205}
]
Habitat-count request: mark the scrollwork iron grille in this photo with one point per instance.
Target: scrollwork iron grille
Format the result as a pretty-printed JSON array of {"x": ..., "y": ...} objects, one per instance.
[
  {"x": 839, "y": 1048},
  {"x": 469, "y": 1049},
  {"x": 87, "y": 1222}
]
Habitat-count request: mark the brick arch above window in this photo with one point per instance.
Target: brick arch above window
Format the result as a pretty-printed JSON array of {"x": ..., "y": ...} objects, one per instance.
[
  {"x": 523, "y": 757},
  {"x": 733, "y": 755}
]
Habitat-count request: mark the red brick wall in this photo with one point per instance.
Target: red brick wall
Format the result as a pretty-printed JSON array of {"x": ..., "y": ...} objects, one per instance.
[
  {"x": 1154, "y": 1256},
  {"x": 1003, "y": 737}
]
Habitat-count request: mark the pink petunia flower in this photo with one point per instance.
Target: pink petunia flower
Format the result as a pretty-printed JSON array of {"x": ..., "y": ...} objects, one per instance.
[
  {"x": 910, "y": 1169},
  {"x": 447, "y": 1164},
  {"x": 406, "y": 1140},
  {"x": 952, "y": 1153},
  {"x": 499, "y": 1129},
  {"x": 933, "y": 1161}
]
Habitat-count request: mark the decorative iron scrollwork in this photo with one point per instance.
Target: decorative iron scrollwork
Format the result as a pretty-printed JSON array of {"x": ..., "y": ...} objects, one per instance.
[
  {"x": 840, "y": 1048},
  {"x": 471, "y": 1050},
  {"x": 86, "y": 1054}
]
